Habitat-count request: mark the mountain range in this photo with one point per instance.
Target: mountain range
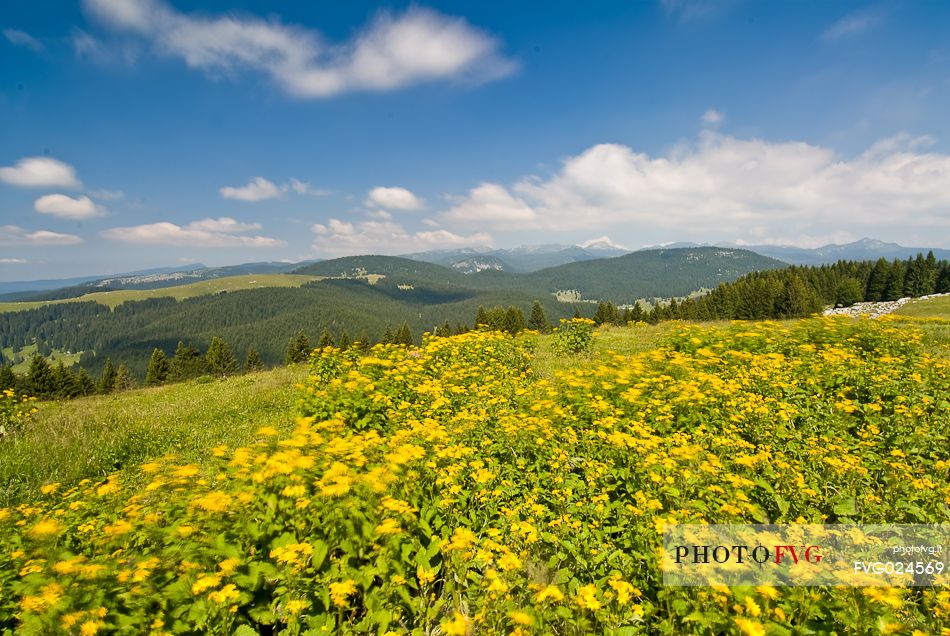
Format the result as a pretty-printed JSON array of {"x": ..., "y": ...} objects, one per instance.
[{"x": 523, "y": 259}]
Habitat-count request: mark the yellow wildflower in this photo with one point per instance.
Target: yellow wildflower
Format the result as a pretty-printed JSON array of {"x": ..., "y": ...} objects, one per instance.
[{"x": 341, "y": 590}]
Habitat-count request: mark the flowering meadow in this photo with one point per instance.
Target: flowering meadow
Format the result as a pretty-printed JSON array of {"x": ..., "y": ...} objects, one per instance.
[{"x": 454, "y": 489}]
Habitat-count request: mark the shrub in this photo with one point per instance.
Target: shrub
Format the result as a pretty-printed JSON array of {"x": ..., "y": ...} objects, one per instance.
[{"x": 574, "y": 336}]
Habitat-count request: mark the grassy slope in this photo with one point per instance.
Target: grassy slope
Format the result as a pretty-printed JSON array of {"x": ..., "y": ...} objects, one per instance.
[
  {"x": 929, "y": 308},
  {"x": 230, "y": 283},
  {"x": 27, "y": 352},
  {"x": 91, "y": 437}
]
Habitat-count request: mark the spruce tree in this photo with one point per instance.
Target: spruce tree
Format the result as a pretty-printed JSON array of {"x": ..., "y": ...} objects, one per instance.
[
  {"x": 64, "y": 381},
  {"x": 298, "y": 349},
  {"x": 877, "y": 281},
  {"x": 443, "y": 330},
  {"x": 326, "y": 340},
  {"x": 86, "y": 384},
  {"x": 219, "y": 360},
  {"x": 123, "y": 378},
  {"x": 538, "y": 321},
  {"x": 895, "y": 282},
  {"x": 514, "y": 320},
  {"x": 158, "y": 368},
  {"x": 344, "y": 343},
  {"x": 185, "y": 364},
  {"x": 107, "y": 379},
  {"x": 388, "y": 337},
  {"x": 40, "y": 379},
  {"x": 7, "y": 377},
  {"x": 403, "y": 335},
  {"x": 253, "y": 361},
  {"x": 481, "y": 317}
]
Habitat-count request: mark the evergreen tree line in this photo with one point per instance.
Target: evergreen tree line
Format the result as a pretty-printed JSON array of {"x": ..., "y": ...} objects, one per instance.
[
  {"x": 44, "y": 381},
  {"x": 797, "y": 291}
]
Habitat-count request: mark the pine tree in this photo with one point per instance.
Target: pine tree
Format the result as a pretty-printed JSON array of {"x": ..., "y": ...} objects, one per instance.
[
  {"x": 514, "y": 320},
  {"x": 943, "y": 280},
  {"x": 326, "y": 340},
  {"x": 253, "y": 361},
  {"x": 86, "y": 385},
  {"x": 403, "y": 336},
  {"x": 481, "y": 317},
  {"x": 895, "y": 281},
  {"x": 185, "y": 364},
  {"x": 877, "y": 281},
  {"x": 218, "y": 359},
  {"x": 388, "y": 337},
  {"x": 362, "y": 344},
  {"x": 344, "y": 343},
  {"x": 7, "y": 377},
  {"x": 848, "y": 292},
  {"x": 298, "y": 349},
  {"x": 158, "y": 368},
  {"x": 538, "y": 321},
  {"x": 40, "y": 378},
  {"x": 64, "y": 381},
  {"x": 123, "y": 378},
  {"x": 107, "y": 379}
]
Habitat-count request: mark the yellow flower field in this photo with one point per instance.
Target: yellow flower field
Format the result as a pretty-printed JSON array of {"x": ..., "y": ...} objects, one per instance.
[{"x": 451, "y": 489}]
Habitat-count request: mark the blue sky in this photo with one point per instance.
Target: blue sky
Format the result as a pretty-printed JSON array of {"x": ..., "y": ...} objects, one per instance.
[{"x": 145, "y": 133}]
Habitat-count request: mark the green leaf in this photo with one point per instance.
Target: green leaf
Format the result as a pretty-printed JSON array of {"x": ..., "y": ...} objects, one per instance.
[{"x": 846, "y": 507}]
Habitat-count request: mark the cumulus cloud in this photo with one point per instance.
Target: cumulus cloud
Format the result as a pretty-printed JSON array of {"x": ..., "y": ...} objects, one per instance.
[
  {"x": 393, "y": 51},
  {"x": 337, "y": 238},
  {"x": 724, "y": 187},
  {"x": 394, "y": 198},
  {"x": 257, "y": 189},
  {"x": 713, "y": 117},
  {"x": 24, "y": 39},
  {"x": 15, "y": 236},
  {"x": 852, "y": 24},
  {"x": 66, "y": 207},
  {"x": 40, "y": 172},
  {"x": 222, "y": 232},
  {"x": 493, "y": 204}
]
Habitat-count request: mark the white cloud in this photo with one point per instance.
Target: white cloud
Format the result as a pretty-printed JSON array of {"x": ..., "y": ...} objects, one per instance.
[
  {"x": 24, "y": 39},
  {"x": 393, "y": 199},
  {"x": 492, "y": 204},
  {"x": 724, "y": 187},
  {"x": 13, "y": 261},
  {"x": 224, "y": 224},
  {"x": 852, "y": 24},
  {"x": 393, "y": 51},
  {"x": 258, "y": 189},
  {"x": 14, "y": 236},
  {"x": 107, "y": 195},
  {"x": 713, "y": 117},
  {"x": 66, "y": 207},
  {"x": 40, "y": 172},
  {"x": 223, "y": 232},
  {"x": 338, "y": 237},
  {"x": 301, "y": 187}
]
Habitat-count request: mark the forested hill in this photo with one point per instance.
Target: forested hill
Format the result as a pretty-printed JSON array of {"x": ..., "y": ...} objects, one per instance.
[
  {"x": 652, "y": 273},
  {"x": 645, "y": 274}
]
